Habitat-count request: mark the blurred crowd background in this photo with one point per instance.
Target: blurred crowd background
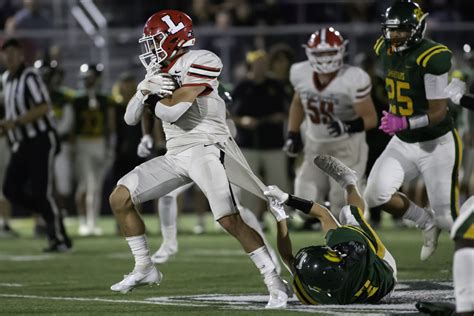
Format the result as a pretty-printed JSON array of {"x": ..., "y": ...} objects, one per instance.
[{"x": 68, "y": 38}]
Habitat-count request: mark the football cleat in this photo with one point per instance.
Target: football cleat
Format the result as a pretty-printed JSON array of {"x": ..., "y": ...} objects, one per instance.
[
  {"x": 430, "y": 242},
  {"x": 136, "y": 279},
  {"x": 279, "y": 293},
  {"x": 165, "y": 252},
  {"x": 336, "y": 170}
]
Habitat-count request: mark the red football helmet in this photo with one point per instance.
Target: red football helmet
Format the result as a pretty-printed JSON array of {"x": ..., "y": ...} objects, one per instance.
[
  {"x": 164, "y": 34},
  {"x": 325, "y": 50}
]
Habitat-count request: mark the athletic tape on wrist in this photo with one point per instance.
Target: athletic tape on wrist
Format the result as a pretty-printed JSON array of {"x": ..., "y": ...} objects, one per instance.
[{"x": 418, "y": 121}]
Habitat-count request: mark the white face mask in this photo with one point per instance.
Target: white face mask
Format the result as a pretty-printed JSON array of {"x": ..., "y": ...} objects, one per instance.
[{"x": 326, "y": 63}]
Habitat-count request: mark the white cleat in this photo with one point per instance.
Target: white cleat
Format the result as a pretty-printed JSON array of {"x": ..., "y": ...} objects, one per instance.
[
  {"x": 279, "y": 294},
  {"x": 165, "y": 252},
  {"x": 336, "y": 170},
  {"x": 136, "y": 279},
  {"x": 430, "y": 242}
]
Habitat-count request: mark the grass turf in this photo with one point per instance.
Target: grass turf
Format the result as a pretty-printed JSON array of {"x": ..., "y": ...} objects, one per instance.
[{"x": 78, "y": 282}]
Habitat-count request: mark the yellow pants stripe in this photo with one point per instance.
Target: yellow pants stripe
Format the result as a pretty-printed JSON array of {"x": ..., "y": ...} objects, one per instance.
[{"x": 455, "y": 175}]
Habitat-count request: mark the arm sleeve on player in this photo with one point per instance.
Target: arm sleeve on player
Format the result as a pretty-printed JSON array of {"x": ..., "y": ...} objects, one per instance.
[
  {"x": 171, "y": 114},
  {"x": 204, "y": 71},
  {"x": 134, "y": 111},
  {"x": 294, "y": 76},
  {"x": 362, "y": 85},
  {"x": 435, "y": 85}
]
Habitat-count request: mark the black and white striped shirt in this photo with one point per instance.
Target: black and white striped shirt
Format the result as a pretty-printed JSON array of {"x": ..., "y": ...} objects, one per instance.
[{"x": 23, "y": 91}]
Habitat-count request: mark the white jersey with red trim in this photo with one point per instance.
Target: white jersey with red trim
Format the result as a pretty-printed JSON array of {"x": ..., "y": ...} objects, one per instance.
[
  {"x": 349, "y": 86},
  {"x": 205, "y": 121}
]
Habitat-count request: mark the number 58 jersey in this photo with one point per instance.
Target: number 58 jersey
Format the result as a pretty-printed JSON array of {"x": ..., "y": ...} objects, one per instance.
[{"x": 323, "y": 104}]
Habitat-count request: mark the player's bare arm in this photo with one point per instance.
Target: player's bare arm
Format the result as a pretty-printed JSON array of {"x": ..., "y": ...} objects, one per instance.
[
  {"x": 296, "y": 114},
  {"x": 437, "y": 110},
  {"x": 365, "y": 109}
]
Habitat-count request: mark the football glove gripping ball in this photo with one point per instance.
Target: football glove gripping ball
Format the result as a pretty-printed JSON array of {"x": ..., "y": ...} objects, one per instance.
[
  {"x": 145, "y": 147},
  {"x": 293, "y": 144},
  {"x": 162, "y": 85}
]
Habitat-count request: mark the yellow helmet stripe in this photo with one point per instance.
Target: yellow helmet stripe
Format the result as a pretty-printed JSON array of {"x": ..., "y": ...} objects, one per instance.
[
  {"x": 425, "y": 61},
  {"x": 378, "y": 44},
  {"x": 301, "y": 293},
  {"x": 426, "y": 52}
]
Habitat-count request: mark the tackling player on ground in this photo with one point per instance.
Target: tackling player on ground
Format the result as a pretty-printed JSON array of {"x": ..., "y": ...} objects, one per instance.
[
  {"x": 425, "y": 142},
  {"x": 354, "y": 266}
]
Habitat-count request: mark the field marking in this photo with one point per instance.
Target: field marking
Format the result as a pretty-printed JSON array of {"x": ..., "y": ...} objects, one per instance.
[
  {"x": 401, "y": 302},
  {"x": 11, "y": 284},
  {"x": 22, "y": 258}
]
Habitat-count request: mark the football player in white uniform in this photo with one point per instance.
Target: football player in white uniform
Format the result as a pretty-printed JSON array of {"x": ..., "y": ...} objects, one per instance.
[
  {"x": 198, "y": 143},
  {"x": 334, "y": 101}
]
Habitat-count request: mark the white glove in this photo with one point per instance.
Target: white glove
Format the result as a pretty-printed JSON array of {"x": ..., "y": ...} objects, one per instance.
[
  {"x": 145, "y": 146},
  {"x": 274, "y": 192},
  {"x": 161, "y": 84},
  {"x": 277, "y": 210},
  {"x": 276, "y": 199},
  {"x": 455, "y": 90}
]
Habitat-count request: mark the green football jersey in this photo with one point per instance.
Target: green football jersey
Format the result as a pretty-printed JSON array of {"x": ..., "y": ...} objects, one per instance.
[
  {"x": 91, "y": 121},
  {"x": 59, "y": 98},
  {"x": 404, "y": 82},
  {"x": 370, "y": 278}
]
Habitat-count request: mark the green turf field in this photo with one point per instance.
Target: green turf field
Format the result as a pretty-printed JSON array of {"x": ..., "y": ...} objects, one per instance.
[{"x": 210, "y": 275}]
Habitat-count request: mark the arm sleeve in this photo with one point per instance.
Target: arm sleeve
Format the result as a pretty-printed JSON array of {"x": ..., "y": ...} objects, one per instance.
[
  {"x": 435, "y": 85},
  {"x": 204, "y": 71},
  {"x": 36, "y": 89},
  {"x": 294, "y": 77}
]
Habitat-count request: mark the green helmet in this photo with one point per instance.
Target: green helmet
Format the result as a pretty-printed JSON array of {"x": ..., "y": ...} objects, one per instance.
[
  {"x": 320, "y": 268},
  {"x": 404, "y": 16}
]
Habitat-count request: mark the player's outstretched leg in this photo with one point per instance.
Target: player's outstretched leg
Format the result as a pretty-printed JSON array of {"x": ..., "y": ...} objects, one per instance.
[
  {"x": 336, "y": 169},
  {"x": 133, "y": 228}
]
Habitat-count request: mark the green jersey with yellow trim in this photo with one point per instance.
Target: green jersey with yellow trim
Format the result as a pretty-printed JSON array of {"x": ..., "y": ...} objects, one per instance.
[
  {"x": 91, "y": 115},
  {"x": 59, "y": 98},
  {"x": 404, "y": 82},
  {"x": 369, "y": 277}
]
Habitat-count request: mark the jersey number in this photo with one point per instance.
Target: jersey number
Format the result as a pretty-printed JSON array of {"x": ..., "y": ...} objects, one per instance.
[
  {"x": 173, "y": 28},
  {"x": 320, "y": 111},
  {"x": 394, "y": 92}
]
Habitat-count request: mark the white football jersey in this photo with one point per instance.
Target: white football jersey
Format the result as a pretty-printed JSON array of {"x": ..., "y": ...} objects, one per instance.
[
  {"x": 351, "y": 85},
  {"x": 205, "y": 121}
]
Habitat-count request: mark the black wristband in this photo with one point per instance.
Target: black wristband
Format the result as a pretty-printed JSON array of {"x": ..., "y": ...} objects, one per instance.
[
  {"x": 299, "y": 204},
  {"x": 151, "y": 100},
  {"x": 356, "y": 125},
  {"x": 467, "y": 101}
]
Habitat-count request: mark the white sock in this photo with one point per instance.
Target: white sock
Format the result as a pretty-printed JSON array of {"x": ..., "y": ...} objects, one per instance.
[
  {"x": 463, "y": 277},
  {"x": 262, "y": 260},
  {"x": 419, "y": 215},
  {"x": 251, "y": 220},
  {"x": 348, "y": 179},
  {"x": 141, "y": 252},
  {"x": 168, "y": 212}
]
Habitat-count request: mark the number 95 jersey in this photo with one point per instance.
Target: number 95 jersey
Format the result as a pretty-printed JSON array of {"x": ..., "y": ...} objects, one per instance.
[{"x": 335, "y": 100}]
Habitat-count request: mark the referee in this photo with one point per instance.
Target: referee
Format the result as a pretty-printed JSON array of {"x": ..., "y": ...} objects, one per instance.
[{"x": 30, "y": 128}]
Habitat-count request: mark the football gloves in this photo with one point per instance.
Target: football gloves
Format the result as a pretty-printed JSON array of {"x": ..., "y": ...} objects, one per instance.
[
  {"x": 391, "y": 124},
  {"x": 162, "y": 85},
  {"x": 455, "y": 90},
  {"x": 337, "y": 127},
  {"x": 145, "y": 147},
  {"x": 293, "y": 144},
  {"x": 276, "y": 199}
]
